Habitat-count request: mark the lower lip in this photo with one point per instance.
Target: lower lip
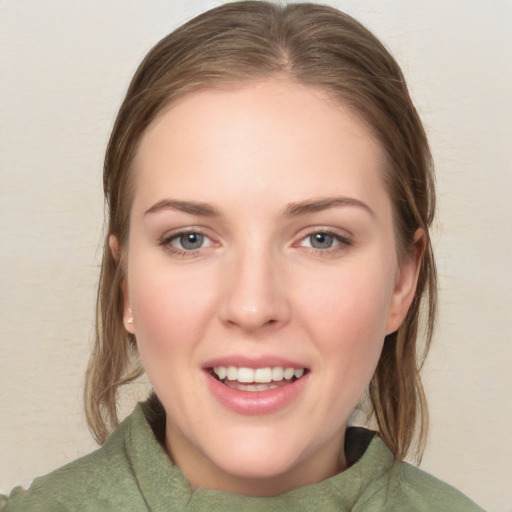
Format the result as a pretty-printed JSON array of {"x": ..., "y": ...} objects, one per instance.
[{"x": 256, "y": 402}]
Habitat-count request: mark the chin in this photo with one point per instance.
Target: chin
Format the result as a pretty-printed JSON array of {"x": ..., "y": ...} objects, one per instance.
[
  {"x": 261, "y": 466},
  {"x": 257, "y": 469}
]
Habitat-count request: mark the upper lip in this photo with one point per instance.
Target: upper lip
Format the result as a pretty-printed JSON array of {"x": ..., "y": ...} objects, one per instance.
[{"x": 241, "y": 361}]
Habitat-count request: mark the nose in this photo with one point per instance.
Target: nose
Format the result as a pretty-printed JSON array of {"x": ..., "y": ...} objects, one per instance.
[{"x": 255, "y": 296}]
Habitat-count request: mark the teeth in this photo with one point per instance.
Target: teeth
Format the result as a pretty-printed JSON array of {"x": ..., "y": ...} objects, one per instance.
[
  {"x": 245, "y": 375},
  {"x": 259, "y": 375},
  {"x": 289, "y": 373},
  {"x": 232, "y": 373},
  {"x": 221, "y": 372},
  {"x": 263, "y": 375},
  {"x": 277, "y": 373}
]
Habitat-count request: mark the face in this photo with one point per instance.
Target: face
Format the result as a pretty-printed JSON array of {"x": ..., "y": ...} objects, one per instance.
[{"x": 262, "y": 275}]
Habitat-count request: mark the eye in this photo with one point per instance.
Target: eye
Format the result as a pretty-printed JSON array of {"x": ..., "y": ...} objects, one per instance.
[
  {"x": 189, "y": 241},
  {"x": 185, "y": 243},
  {"x": 321, "y": 240},
  {"x": 325, "y": 241}
]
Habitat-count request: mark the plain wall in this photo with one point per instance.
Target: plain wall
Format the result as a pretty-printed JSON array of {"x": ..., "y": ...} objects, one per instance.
[{"x": 64, "y": 69}]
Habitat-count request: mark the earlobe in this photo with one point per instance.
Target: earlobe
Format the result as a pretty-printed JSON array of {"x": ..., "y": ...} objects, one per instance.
[
  {"x": 405, "y": 285},
  {"x": 128, "y": 320}
]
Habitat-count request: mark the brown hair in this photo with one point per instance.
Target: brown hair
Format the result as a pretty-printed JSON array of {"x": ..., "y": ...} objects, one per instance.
[{"x": 312, "y": 45}]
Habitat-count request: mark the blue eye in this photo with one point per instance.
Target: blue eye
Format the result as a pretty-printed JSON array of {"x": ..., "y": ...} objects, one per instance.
[
  {"x": 325, "y": 242},
  {"x": 190, "y": 241},
  {"x": 321, "y": 240},
  {"x": 185, "y": 243}
]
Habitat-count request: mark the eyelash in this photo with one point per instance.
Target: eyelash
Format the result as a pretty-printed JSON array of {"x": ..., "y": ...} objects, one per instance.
[
  {"x": 342, "y": 242},
  {"x": 166, "y": 242}
]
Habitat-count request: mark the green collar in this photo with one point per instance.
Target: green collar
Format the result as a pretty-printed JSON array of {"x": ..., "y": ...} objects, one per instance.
[{"x": 159, "y": 478}]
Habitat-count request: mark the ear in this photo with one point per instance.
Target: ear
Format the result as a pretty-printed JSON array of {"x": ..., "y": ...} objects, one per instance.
[
  {"x": 405, "y": 283},
  {"x": 113, "y": 243}
]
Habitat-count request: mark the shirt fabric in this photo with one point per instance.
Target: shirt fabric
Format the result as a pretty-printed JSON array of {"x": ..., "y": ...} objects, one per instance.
[{"x": 132, "y": 472}]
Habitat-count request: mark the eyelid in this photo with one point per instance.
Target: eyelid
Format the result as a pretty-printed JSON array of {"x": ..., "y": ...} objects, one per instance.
[
  {"x": 343, "y": 240},
  {"x": 166, "y": 240}
]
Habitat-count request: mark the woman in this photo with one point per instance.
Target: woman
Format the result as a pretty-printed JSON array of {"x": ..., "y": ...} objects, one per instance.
[{"x": 269, "y": 190}]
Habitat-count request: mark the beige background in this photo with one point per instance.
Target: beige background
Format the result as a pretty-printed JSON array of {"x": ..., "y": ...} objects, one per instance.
[{"x": 64, "y": 68}]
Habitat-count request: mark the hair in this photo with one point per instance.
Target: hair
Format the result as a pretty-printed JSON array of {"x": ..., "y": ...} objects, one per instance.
[{"x": 312, "y": 45}]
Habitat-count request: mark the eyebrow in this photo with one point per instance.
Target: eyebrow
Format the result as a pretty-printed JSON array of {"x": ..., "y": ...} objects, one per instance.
[
  {"x": 190, "y": 207},
  {"x": 318, "y": 205},
  {"x": 291, "y": 210}
]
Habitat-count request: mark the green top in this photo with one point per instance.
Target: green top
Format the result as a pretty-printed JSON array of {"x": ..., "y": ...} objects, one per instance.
[{"x": 132, "y": 472}]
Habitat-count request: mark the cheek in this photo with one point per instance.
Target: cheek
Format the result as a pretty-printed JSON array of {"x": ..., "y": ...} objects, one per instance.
[
  {"x": 347, "y": 316},
  {"x": 170, "y": 311}
]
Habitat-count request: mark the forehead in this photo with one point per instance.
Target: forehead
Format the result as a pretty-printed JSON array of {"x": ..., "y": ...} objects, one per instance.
[{"x": 273, "y": 133}]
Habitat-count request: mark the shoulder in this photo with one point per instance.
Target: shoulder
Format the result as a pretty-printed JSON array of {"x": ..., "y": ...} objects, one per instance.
[
  {"x": 102, "y": 480},
  {"x": 390, "y": 485},
  {"x": 410, "y": 488}
]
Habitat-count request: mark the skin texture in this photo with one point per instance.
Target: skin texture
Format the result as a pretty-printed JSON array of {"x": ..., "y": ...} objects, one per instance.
[{"x": 256, "y": 287}]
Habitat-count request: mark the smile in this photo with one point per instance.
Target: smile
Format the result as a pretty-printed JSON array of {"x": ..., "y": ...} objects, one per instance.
[
  {"x": 261, "y": 390},
  {"x": 232, "y": 376}
]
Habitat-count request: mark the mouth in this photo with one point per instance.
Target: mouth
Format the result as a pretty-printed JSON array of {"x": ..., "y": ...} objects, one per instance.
[{"x": 256, "y": 379}]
